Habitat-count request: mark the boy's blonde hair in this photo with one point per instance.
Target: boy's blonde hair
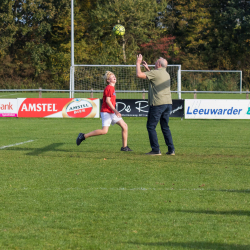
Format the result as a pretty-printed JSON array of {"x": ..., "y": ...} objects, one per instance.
[{"x": 107, "y": 75}]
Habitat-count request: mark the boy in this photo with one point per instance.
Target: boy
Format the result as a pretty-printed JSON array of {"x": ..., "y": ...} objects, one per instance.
[{"x": 109, "y": 114}]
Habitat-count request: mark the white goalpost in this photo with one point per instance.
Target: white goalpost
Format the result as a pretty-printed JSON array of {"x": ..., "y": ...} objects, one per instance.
[
  {"x": 88, "y": 79},
  {"x": 85, "y": 80}
]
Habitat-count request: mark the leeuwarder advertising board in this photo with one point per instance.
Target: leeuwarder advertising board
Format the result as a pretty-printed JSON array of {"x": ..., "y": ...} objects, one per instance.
[{"x": 217, "y": 109}]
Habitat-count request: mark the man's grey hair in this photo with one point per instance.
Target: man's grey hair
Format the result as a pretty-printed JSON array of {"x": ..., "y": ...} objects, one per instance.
[{"x": 163, "y": 62}]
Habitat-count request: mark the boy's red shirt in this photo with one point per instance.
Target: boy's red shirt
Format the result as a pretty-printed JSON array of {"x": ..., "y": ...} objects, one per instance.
[{"x": 109, "y": 91}]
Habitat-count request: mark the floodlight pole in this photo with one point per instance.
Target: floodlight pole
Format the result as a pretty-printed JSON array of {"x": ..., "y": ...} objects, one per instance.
[{"x": 72, "y": 71}]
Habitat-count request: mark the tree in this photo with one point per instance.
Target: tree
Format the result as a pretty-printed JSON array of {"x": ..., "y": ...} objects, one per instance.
[
  {"x": 139, "y": 17},
  {"x": 231, "y": 24},
  {"x": 229, "y": 42},
  {"x": 189, "y": 22},
  {"x": 164, "y": 47},
  {"x": 7, "y": 27}
]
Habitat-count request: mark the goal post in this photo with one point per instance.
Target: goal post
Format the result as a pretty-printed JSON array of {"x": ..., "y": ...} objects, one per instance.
[{"x": 86, "y": 79}]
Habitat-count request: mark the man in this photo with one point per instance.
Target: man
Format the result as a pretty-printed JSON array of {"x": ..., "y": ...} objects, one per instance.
[{"x": 160, "y": 103}]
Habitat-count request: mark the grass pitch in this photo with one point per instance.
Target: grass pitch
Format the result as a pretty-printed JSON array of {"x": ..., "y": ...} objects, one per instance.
[
  {"x": 55, "y": 195},
  {"x": 119, "y": 95}
]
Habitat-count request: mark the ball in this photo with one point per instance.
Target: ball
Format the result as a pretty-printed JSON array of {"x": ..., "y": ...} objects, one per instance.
[{"x": 119, "y": 30}]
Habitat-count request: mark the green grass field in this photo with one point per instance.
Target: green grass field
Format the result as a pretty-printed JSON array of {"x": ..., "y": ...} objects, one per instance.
[
  {"x": 119, "y": 95},
  {"x": 55, "y": 195}
]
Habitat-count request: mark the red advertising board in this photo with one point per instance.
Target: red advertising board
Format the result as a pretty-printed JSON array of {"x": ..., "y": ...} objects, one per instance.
[{"x": 59, "y": 107}]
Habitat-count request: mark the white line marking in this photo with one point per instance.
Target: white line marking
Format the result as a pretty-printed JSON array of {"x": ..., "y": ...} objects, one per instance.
[{"x": 12, "y": 145}]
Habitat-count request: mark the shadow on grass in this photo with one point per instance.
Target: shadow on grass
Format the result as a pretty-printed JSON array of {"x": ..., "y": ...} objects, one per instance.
[
  {"x": 231, "y": 190},
  {"x": 38, "y": 151},
  {"x": 195, "y": 245},
  {"x": 213, "y": 212},
  {"x": 54, "y": 147},
  {"x": 51, "y": 147}
]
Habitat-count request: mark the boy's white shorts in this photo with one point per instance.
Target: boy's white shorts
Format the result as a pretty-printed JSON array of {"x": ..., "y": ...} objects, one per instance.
[{"x": 109, "y": 118}]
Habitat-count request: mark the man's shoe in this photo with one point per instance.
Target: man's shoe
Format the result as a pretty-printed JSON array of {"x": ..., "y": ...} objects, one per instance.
[
  {"x": 80, "y": 138},
  {"x": 154, "y": 153},
  {"x": 170, "y": 153},
  {"x": 126, "y": 149}
]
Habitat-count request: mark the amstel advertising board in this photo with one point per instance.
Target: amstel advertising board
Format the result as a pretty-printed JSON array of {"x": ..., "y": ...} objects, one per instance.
[
  {"x": 217, "y": 109},
  {"x": 59, "y": 107},
  {"x": 8, "y": 107}
]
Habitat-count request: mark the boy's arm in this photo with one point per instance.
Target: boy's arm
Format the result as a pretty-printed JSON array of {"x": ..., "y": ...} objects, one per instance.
[{"x": 108, "y": 101}]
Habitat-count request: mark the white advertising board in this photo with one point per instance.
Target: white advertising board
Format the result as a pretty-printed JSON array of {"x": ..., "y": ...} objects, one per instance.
[
  {"x": 8, "y": 108},
  {"x": 217, "y": 109}
]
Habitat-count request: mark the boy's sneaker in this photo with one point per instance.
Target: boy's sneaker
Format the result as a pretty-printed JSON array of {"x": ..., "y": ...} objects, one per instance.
[
  {"x": 170, "y": 153},
  {"x": 154, "y": 153},
  {"x": 126, "y": 149},
  {"x": 79, "y": 139}
]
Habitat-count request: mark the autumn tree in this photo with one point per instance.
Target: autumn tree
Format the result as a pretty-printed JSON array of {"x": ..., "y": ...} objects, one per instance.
[
  {"x": 139, "y": 17},
  {"x": 35, "y": 41},
  {"x": 231, "y": 25},
  {"x": 165, "y": 47},
  {"x": 189, "y": 22}
]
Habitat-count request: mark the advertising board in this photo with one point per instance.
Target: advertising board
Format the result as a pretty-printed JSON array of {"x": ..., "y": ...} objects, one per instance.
[
  {"x": 8, "y": 108},
  {"x": 59, "y": 107},
  {"x": 139, "y": 107},
  {"x": 217, "y": 109}
]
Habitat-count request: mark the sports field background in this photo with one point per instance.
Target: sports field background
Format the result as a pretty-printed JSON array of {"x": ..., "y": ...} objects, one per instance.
[
  {"x": 46, "y": 94},
  {"x": 55, "y": 195}
]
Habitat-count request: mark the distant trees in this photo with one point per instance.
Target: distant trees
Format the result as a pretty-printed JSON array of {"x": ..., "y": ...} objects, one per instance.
[
  {"x": 35, "y": 36},
  {"x": 211, "y": 34},
  {"x": 140, "y": 20}
]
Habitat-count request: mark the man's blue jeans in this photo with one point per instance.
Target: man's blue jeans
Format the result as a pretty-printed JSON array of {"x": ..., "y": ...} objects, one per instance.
[{"x": 159, "y": 113}]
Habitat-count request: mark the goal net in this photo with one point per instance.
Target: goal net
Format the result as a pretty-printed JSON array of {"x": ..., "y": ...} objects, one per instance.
[
  {"x": 87, "y": 81},
  {"x": 211, "y": 80}
]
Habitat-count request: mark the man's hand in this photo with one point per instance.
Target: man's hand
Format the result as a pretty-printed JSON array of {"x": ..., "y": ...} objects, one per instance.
[
  {"x": 145, "y": 65},
  {"x": 139, "y": 59},
  {"x": 139, "y": 74}
]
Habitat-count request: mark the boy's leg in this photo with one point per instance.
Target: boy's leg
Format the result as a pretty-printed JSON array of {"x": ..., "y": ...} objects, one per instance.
[
  {"x": 106, "y": 121},
  {"x": 124, "y": 127},
  {"x": 102, "y": 131},
  {"x": 81, "y": 137}
]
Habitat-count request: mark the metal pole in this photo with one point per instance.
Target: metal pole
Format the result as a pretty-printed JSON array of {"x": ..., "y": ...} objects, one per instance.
[
  {"x": 72, "y": 84},
  {"x": 72, "y": 87},
  {"x": 241, "y": 82},
  {"x": 179, "y": 82}
]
